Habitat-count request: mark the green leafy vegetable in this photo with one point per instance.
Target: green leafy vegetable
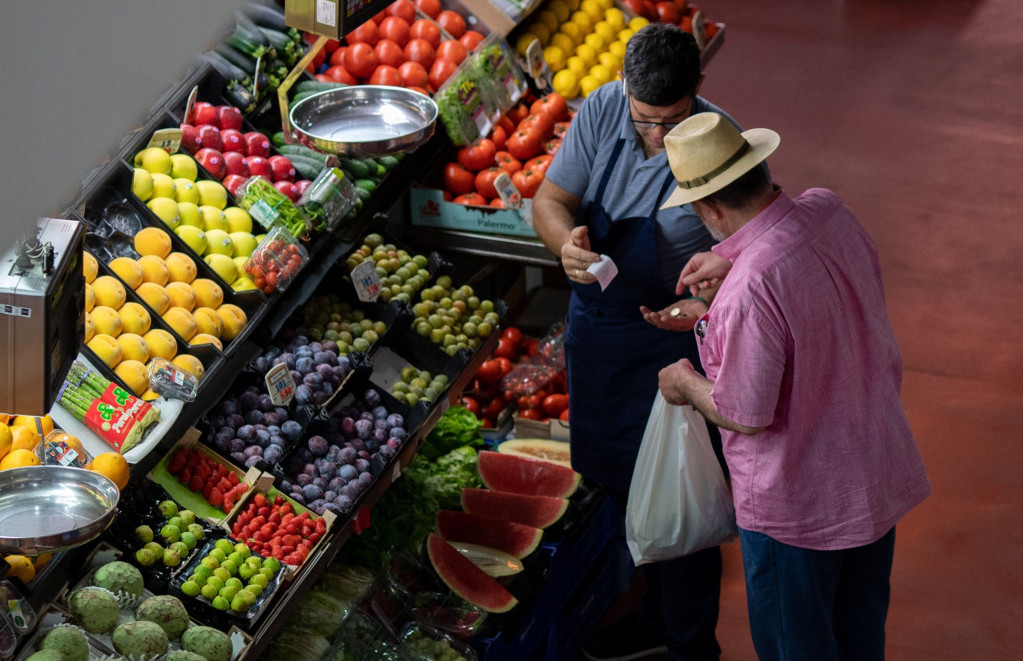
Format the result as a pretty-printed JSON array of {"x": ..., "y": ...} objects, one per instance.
[{"x": 458, "y": 427}]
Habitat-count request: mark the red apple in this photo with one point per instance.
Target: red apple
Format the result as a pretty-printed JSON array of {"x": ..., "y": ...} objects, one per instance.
[
  {"x": 233, "y": 140},
  {"x": 260, "y": 167},
  {"x": 302, "y": 185},
  {"x": 233, "y": 182},
  {"x": 235, "y": 163},
  {"x": 213, "y": 161},
  {"x": 282, "y": 168},
  {"x": 190, "y": 139},
  {"x": 210, "y": 136},
  {"x": 204, "y": 112},
  {"x": 289, "y": 189},
  {"x": 257, "y": 144},
  {"x": 230, "y": 117}
]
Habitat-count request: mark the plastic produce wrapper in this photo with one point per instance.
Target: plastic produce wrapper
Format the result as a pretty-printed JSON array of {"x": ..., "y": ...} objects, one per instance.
[
  {"x": 534, "y": 373},
  {"x": 678, "y": 502}
]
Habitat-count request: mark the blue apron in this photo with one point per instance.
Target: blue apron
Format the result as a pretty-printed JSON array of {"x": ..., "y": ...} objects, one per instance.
[{"x": 613, "y": 355}]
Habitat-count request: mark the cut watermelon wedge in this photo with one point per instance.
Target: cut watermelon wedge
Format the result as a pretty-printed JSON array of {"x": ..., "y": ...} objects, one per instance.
[
  {"x": 536, "y": 511},
  {"x": 534, "y": 477},
  {"x": 515, "y": 539},
  {"x": 466, "y": 579}
]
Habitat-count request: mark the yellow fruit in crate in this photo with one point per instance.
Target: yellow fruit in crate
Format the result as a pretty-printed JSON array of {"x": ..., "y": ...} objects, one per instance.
[
  {"x": 211, "y": 193},
  {"x": 208, "y": 294},
  {"x": 183, "y": 167},
  {"x": 625, "y": 34},
  {"x": 106, "y": 348},
  {"x": 560, "y": 10},
  {"x": 238, "y": 220},
  {"x": 524, "y": 40},
  {"x": 163, "y": 186},
  {"x": 180, "y": 267},
  {"x": 583, "y": 20},
  {"x": 90, "y": 298},
  {"x": 193, "y": 236},
  {"x": 206, "y": 338},
  {"x": 40, "y": 560},
  {"x": 21, "y": 566},
  {"x": 218, "y": 242},
  {"x": 154, "y": 270},
  {"x": 90, "y": 328},
  {"x": 566, "y": 83},
  {"x": 24, "y": 438},
  {"x": 615, "y": 17},
  {"x": 244, "y": 283},
  {"x": 606, "y": 4},
  {"x": 234, "y": 319},
  {"x": 207, "y": 322},
  {"x": 573, "y": 31},
  {"x": 588, "y": 84},
  {"x": 564, "y": 42},
  {"x": 637, "y": 23},
  {"x": 555, "y": 58},
  {"x": 133, "y": 348},
  {"x": 109, "y": 291},
  {"x": 161, "y": 344},
  {"x": 112, "y": 465},
  {"x": 185, "y": 190},
  {"x": 243, "y": 242},
  {"x": 153, "y": 159},
  {"x": 189, "y": 214},
  {"x": 223, "y": 265},
  {"x": 181, "y": 295},
  {"x": 90, "y": 267},
  {"x": 606, "y": 31},
  {"x": 576, "y": 65},
  {"x": 155, "y": 296},
  {"x": 617, "y": 48},
  {"x": 587, "y": 53},
  {"x": 19, "y": 458},
  {"x": 166, "y": 209},
  {"x": 142, "y": 184},
  {"x": 541, "y": 31},
  {"x": 134, "y": 374},
  {"x": 106, "y": 320},
  {"x": 213, "y": 218},
  {"x": 601, "y": 73},
  {"x": 596, "y": 41},
  {"x": 153, "y": 241},
  {"x": 128, "y": 270},
  {"x": 181, "y": 322},
  {"x": 593, "y": 9},
  {"x": 190, "y": 364},
  {"x": 611, "y": 61},
  {"x": 135, "y": 318},
  {"x": 6, "y": 439}
]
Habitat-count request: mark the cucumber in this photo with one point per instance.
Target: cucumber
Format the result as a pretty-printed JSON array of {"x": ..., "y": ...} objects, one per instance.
[
  {"x": 317, "y": 86},
  {"x": 307, "y": 167},
  {"x": 302, "y": 150},
  {"x": 278, "y": 139},
  {"x": 389, "y": 162},
  {"x": 266, "y": 16},
  {"x": 302, "y": 95},
  {"x": 355, "y": 167},
  {"x": 228, "y": 69},
  {"x": 362, "y": 194},
  {"x": 366, "y": 185}
]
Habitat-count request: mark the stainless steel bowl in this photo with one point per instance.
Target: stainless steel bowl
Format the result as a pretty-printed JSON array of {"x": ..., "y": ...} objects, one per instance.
[
  {"x": 44, "y": 509},
  {"x": 364, "y": 120}
]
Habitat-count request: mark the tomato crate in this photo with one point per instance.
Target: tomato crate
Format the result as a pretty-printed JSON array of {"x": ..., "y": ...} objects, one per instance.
[{"x": 428, "y": 208}]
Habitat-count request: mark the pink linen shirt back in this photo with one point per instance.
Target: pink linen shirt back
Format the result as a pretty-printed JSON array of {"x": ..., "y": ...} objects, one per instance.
[{"x": 798, "y": 341}]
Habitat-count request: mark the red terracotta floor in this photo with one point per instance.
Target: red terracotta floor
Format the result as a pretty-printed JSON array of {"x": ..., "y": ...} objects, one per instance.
[{"x": 913, "y": 112}]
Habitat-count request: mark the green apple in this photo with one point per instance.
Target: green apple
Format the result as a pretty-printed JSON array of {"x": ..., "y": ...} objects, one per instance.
[
  {"x": 183, "y": 165},
  {"x": 142, "y": 184},
  {"x": 212, "y": 193},
  {"x": 185, "y": 190},
  {"x": 154, "y": 160},
  {"x": 223, "y": 265},
  {"x": 238, "y": 219},
  {"x": 163, "y": 185},
  {"x": 243, "y": 283},
  {"x": 244, "y": 243},
  {"x": 193, "y": 236},
  {"x": 218, "y": 242},
  {"x": 213, "y": 218}
]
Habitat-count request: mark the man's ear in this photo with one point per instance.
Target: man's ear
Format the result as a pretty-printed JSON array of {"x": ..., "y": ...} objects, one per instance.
[
  {"x": 707, "y": 210},
  {"x": 699, "y": 81}
]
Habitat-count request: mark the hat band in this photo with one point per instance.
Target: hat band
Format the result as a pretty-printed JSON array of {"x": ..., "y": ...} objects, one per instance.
[{"x": 700, "y": 181}]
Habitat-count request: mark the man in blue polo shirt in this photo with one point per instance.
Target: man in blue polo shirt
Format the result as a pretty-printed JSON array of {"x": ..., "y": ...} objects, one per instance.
[{"x": 602, "y": 195}]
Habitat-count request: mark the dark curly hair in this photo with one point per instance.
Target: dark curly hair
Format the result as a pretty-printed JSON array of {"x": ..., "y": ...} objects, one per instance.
[{"x": 662, "y": 64}]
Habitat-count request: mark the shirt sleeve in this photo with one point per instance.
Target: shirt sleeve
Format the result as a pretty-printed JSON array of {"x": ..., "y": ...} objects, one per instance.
[{"x": 572, "y": 164}]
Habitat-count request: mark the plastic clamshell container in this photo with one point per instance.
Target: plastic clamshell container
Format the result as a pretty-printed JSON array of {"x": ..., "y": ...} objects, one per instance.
[
  {"x": 276, "y": 261},
  {"x": 424, "y": 643}
]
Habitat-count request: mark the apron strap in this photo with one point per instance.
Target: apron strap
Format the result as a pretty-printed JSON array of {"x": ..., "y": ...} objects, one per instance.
[
  {"x": 608, "y": 169},
  {"x": 664, "y": 188}
]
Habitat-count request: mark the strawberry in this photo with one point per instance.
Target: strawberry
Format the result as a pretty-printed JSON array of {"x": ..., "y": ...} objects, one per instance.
[
  {"x": 216, "y": 497},
  {"x": 195, "y": 483}
]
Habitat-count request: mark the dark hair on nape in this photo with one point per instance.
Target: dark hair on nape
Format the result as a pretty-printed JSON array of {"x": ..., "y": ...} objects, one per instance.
[
  {"x": 662, "y": 64},
  {"x": 743, "y": 190}
]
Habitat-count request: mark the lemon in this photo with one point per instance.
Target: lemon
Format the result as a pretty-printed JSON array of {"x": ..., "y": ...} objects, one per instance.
[
  {"x": 183, "y": 166},
  {"x": 625, "y": 34},
  {"x": 211, "y": 193},
  {"x": 588, "y": 54},
  {"x": 588, "y": 84},
  {"x": 564, "y": 42},
  {"x": 542, "y": 32},
  {"x": 566, "y": 83},
  {"x": 578, "y": 65},
  {"x": 617, "y": 48},
  {"x": 606, "y": 4},
  {"x": 572, "y": 31},
  {"x": 592, "y": 9},
  {"x": 549, "y": 20},
  {"x": 238, "y": 219},
  {"x": 559, "y": 9},
  {"x": 523, "y": 42},
  {"x": 6, "y": 439},
  {"x": 154, "y": 160},
  {"x": 596, "y": 41},
  {"x": 637, "y": 22},
  {"x": 615, "y": 17},
  {"x": 610, "y": 60},
  {"x": 583, "y": 20},
  {"x": 555, "y": 58},
  {"x": 189, "y": 214},
  {"x": 601, "y": 73},
  {"x": 606, "y": 31}
]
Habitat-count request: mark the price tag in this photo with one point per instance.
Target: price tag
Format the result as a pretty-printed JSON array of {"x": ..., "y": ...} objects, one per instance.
[
  {"x": 367, "y": 281},
  {"x": 263, "y": 213},
  {"x": 699, "y": 29},
  {"x": 507, "y": 191},
  {"x": 470, "y": 97},
  {"x": 280, "y": 385},
  {"x": 396, "y": 472},
  {"x": 534, "y": 59},
  {"x": 168, "y": 140},
  {"x": 190, "y": 105}
]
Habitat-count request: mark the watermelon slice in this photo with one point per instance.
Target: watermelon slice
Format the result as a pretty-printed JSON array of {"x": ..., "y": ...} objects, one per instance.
[
  {"x": 534, "y": 477},
  {"x": 536, "y": 511},
  {"x": 557, "y": 452},
  {"x": 515, "y": 539},
  {"x": 466, "y": 579}
]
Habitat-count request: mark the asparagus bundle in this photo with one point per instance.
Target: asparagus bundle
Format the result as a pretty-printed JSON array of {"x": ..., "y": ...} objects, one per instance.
[{"x": 116, "y": 415}]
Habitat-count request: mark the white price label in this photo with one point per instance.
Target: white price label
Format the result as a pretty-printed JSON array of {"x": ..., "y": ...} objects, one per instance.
[
  {"x": 280, "y": 385},
  {"x": 190, "y": 105},
  {"x": 507, "y": 191},
  {"x": 168, "y": 140},
  {"x": 699, "y": 29},
  {"x": 367, "y": 281},
  {"x": 326, "y": 12}
]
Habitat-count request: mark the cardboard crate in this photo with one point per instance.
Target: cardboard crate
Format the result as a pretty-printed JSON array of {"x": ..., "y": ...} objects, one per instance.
[
  {"x": 552, "y": 428},
  {"x": 429, "y": 209}
]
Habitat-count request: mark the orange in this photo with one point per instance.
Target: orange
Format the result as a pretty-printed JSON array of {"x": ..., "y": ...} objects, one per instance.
[
  {"x": 112, "y": 465},
  {"x": 6, "y": 439},
  {"x": 40, "y": 560},
  {"x": 21, "y": 567},
  {"x": 24, "y": 438},
  {"x": 40, "y": 425},
  {"x": 69, "y": 440},
  {"x": 19, "y": 458}
]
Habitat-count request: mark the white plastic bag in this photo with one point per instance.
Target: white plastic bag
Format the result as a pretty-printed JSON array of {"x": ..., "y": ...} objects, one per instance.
[{"x": 678, "y": 501}]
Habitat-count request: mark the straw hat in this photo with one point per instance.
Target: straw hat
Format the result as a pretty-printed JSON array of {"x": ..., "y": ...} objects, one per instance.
[{"x": 706, "y": 153}]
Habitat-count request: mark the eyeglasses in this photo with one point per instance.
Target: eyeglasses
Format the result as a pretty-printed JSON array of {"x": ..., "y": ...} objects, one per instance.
[{"x": 644, "y": 125}]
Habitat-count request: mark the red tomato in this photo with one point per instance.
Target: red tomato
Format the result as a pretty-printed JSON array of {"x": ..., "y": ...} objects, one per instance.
[
  {"x": 541, "y": 163},
  {"x": 564, "y": 415},
  {"x": 367, "y": 33},
  {"x": 524, "y": 144},
  {"x": 471, "y": 39},
  {"x": 318, "y": 59},
  {"x": 635, "y": 6},
  {"x": 396, "y": 29},
  {"x": 379, "y": 16},
  {"x": 505, "y": 364},
  {"x": 451, "y": 22},
  {"x": 498, "y": 203},
  {"x": 667, "y": 12},
  {"x": 385, "y": 74},
  {"x": 542, "y": 121},
  {"x": 499, "y": 136},
  {"x": 424, "y": 29},
  {"x": 485, "y": 181},
  {"x": 553, "y": 104},
  {"x": 471, "y": 405},
  {"x": 361, "y": 59},
  {"x": 478, "y": 156},
  {"x": 341, "y": 75},
  {"x": 552, "y": 146},
  {"x": 413, "y": 74},
  {"x": 505, "y": 348},
  {"x": 440, "y": 71},
  {"x": 458, "y": 179},
  {"x": 420, "y": 50},
  {"x": 429, "y": 7},
  {"x": 487, "y": 423},
  {"x": 530, "y": 414},
  {"x": 338, "y": 56},
  {"x": 513, "y": 334},
  {"x": 527, "y": 181},
  {"x": 489, "y": 372},
  {"x": 530, "y": 346},
  {"x": 507, "y": 124},
  {"x": 402, "y": 8},
  {"x": 553, "y": 405},
  {"x": 507, "y": 162},
  {"x": 472, "y": 199},
  {"x": 517, "y": 113},
  {"x": 389, "y": 53},
  {"x": 453, "y": 50},
  {"x": 560, "y": 128}
]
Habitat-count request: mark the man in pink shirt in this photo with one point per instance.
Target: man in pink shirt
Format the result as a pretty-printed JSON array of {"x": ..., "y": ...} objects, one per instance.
[{"x": 803, "y": 378}]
